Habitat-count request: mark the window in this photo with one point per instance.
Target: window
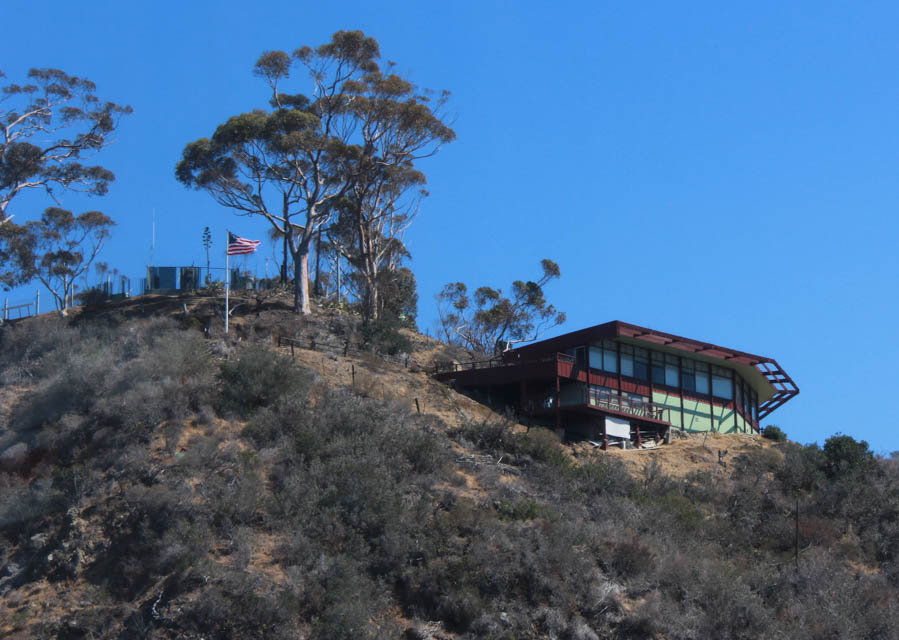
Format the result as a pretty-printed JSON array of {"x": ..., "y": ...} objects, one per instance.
[
  {"x": 722, "y": 387},
  {"x": 688, "y": 375},
  {"x": 627, "y": 360},
  {"x": 602, "y": 395},
  {"x": 595, "y": 357},
  {"x": 604, "y": 357},
  {"x": 746, "y": 393},
  {"x": 672, "y": 375},
  {"x": 740, "y": 395},
  {"x": 641, "y": 364},
  {"x": 635, "y": 400},
  {"x": 658, "y": 368},
  {"x": 609, "y": 356},
  {"x": 702, "y": 378},
  {"x": 580, "y": 357}
]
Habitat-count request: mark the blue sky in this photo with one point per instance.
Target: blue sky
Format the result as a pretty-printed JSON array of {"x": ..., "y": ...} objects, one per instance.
[{"x": 726, "y": 173}]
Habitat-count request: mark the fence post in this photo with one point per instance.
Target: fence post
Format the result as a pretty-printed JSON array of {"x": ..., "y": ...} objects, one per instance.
[
  {"x": 5, "y": 309},
  {"x": 37, "y": 302}
]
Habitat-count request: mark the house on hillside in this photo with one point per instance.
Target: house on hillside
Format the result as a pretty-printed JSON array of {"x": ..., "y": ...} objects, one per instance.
[{"x": 617, "y": 382}]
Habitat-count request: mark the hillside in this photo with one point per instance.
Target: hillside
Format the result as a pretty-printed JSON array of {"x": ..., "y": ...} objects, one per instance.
[{"x": 161, "y": 480}]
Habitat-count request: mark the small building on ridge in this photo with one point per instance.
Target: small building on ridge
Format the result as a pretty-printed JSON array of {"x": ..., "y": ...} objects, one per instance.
[{"x": 622, "y": 382}]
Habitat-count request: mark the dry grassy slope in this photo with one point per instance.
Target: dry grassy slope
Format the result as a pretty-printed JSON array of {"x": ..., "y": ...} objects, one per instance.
[
  {"x": 258, "y": 315},
  {"x": 398, "y": 381},
  {"x": 394, "y": 382},
  {"x": 263, "y": 314}
]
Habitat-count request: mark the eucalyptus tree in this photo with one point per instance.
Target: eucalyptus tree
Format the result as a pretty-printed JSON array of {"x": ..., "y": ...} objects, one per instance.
[
  {"x": 48, "y": 126},
  {"x": 244, "y": 167},
  {"x": 398, "y": 126},
  {"x": 490, "y": 321},
  {"x": 59, "y": 248},
  {"x": 315, "y": 150}
]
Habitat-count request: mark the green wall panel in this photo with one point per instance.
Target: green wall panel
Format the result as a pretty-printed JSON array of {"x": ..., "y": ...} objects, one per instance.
[
  {"x": 696, "y": 415},
  {"x": 672, "y": 403}
]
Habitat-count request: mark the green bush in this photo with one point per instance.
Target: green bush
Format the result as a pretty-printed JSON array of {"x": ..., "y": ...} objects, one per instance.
[
  {"x": 257, "y": 379},
  {"x": 542, "y": 445},
  {"x": 773, "y": 432},
  {"x": 523, "y": 509},
  {"x": 491, "y": 434},
  {"x": 845, "y": 456},
  {"x": 383, "y": 335}
]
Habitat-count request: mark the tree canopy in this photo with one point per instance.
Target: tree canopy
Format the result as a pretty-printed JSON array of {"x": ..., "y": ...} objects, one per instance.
[
  {"x": 354, "y": 137},
  {"x": 489, "y": 321},
  {"x": 58, "y": 248},
  {"x": 51, "y": 124}
]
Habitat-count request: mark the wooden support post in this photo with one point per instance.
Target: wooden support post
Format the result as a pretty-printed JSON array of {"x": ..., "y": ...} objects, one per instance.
[
  {"x": 557, "y": 402},
  {"x": 680, "y": 383},
  {"x": 796, "y": 538},
  {"x": 733, "y": 398},
  {"x": 523, "y": 397},
  {"x": 605, "y": 436}
]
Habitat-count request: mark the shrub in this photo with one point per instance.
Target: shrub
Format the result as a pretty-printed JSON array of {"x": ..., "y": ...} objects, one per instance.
[
  {"x": 845, "y": 456},
  {"x": 491, "y": 434},
  {"x": 424, "y": 452},
  {"x": 523, "y": 509},
  {"x": 604, "y": 475},
  {"x": 773, "y": 432},
  {"x": 802, "y": 468},
  {"x": 258, "y": 379},
  {"x": 289, "y": 418},
  {"x": 383, "y": 336},
  {"x": 542, "y": 445}
]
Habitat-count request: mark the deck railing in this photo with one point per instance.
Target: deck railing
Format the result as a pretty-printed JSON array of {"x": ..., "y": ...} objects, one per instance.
[
  {"x": 452, "y": 367},
  {"x": 623, "y": 404}
]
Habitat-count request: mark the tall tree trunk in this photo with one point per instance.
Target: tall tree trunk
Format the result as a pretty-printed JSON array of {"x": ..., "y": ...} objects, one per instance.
[
  {"x": 318, "y": 253},
  {"x": 301, "y": 303},
  {"x": 286, "y": 240}
]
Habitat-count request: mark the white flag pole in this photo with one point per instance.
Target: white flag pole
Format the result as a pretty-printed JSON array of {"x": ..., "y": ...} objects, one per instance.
[{"x": 227, "y": 280}]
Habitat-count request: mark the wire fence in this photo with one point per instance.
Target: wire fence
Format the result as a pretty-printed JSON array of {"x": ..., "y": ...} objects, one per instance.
[{"x": 19, "y": 309}]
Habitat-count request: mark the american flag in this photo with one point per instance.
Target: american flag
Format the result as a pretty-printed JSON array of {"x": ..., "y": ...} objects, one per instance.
[{"x": 238, "y": 245}]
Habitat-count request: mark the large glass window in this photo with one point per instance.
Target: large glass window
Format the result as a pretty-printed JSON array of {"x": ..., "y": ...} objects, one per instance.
[
  {"x": 672, "y": 377},
  {"x": 722, "y": 383},
  {"x": 746, "y": 400},
  {"x": 595, "y": 357},
  {"x": 657, "y": 368},
  {"x": 739, "y": 387},
  {"x": 602, "y": 395},
  {"x": 641, "y": 363},
  {"x": 688, "y": 375},
  {"x": 702, "y": 378},
  {"x": 609, "y": 356},
  {"x": 604, "y": 357},
  {"x": 627, "y": 360}
]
